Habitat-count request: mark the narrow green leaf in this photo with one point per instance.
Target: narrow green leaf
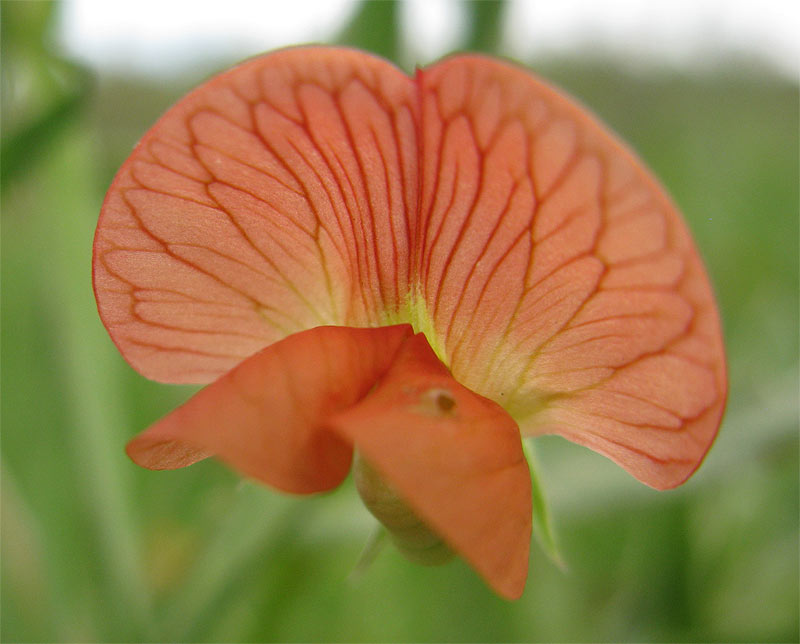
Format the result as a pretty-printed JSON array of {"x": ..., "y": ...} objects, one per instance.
[
  {"x": 22, "y": 146},
  {"x": 542, "y": 520},
  {"x": 372, "y": 548},
  {"x": 41, "y": 92},
  {"x": 86, "y": 367}
]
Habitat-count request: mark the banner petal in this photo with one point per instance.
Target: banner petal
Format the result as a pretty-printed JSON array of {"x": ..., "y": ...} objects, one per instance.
[
  {"x": 559, "y": 277},
  {"x": 274, "y": 198}
]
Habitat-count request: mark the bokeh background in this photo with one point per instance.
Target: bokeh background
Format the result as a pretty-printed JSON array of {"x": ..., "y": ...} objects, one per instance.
[{"x": 95, "y": 549}]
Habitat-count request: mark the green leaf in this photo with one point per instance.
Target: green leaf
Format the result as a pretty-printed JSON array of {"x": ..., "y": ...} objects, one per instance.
[
  {"x": 542, "y": 520},
  {"x": 41, "y": 92}
]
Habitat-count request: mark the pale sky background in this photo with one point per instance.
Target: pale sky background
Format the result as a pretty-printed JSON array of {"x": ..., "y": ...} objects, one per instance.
[{"x": 169, "y": 36}]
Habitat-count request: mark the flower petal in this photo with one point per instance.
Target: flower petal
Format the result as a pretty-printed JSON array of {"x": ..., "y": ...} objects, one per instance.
[
  {"x": 266, "y": 417},
  {"x": 322, "y": 186},
  {"x": 454, "y": 456},
  {"x": 273, "y": 198},
  {"x": 560, "y": 279}
]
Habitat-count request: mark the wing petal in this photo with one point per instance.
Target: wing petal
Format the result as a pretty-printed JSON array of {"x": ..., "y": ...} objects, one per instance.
[{"x": 266, "y": 417}]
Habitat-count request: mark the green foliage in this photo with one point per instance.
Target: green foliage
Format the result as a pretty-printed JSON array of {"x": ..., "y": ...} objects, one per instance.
[
  {"x": 41, "y": 92},
  {"x": 484, "y": 23},
  {"x": 94, "y": 549},
  {"x": 375, "y": 26}
]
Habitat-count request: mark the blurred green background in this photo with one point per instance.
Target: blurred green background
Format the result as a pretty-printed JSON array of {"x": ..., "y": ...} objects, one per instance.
[{"x": 95, "y": 549}]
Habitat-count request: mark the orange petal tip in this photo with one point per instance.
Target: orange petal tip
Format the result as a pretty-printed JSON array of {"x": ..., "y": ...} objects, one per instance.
[{"x": 454, "y": 457}]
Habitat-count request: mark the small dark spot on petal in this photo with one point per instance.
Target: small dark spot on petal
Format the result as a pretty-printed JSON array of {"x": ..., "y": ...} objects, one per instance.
[
  {"x": 436, "y": 402},
  {"x": 445, "y": 401}
]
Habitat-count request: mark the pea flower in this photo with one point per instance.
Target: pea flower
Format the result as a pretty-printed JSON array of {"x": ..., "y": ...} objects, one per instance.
[{"x": 421, "y": 269}]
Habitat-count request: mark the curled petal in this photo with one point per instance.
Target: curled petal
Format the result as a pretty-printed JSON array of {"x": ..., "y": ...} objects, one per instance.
[
  {"x": 454, "y": 456},
  {"x": 267, "y": 416},
  {"x": 290, "y": 415}
]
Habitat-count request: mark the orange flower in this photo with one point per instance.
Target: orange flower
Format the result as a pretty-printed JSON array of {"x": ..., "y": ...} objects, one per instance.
[{"x": 419, "y": 268}]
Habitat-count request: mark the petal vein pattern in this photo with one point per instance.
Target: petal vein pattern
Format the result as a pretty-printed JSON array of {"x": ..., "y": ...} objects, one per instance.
[
  {"x": 277, "y": 197},
  {"x": 560, "y": 279},
  {"x": 320, "y": 186}
]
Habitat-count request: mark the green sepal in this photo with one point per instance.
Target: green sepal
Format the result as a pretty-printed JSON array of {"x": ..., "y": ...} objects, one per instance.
[
  {"x": 542, "y": 520},
  {"x": 373, "y": 547}
]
